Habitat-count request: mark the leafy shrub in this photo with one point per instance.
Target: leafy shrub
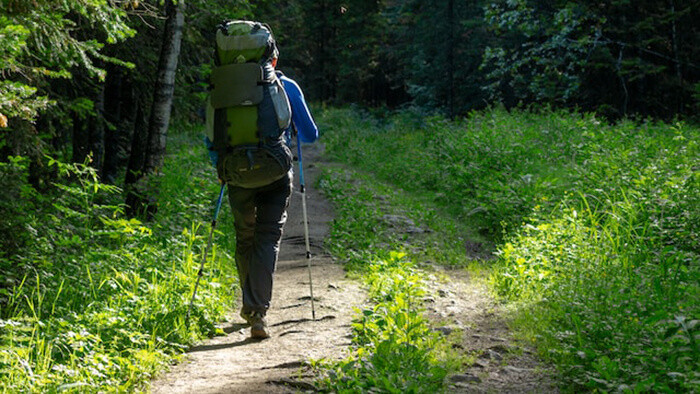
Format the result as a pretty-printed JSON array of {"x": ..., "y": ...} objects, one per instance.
[
  {"x": 490, "y": 169},
  {"x": 616, "y": 266},
  {"x": 96, "y": 301},
  {"x": 395, "y": 350}
]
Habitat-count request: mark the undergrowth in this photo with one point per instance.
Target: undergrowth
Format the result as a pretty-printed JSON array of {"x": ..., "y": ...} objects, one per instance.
[
  {"x": 597, "y": 228},
  {"x": 93, "y": 301},
  {"x": 394, "y": 348}
]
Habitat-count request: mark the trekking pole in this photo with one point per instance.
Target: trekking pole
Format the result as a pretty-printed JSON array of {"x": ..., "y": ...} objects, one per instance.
[
  {"x": 302, "y": 188},
  {"x": 206, "y": 251}
]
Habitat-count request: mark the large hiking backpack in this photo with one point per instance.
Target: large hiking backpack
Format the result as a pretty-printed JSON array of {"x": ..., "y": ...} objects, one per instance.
[{"x": 248, "y": 109}]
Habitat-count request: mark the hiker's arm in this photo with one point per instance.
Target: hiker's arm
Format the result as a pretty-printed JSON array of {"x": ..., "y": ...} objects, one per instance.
[{"x": 301, "y": 116}]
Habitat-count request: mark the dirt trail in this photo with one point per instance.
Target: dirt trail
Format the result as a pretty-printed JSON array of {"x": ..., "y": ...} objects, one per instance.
[
  {"x": 463, "y": 307},
  {"x": 459, "y": 306},
  {"x": 236, "y": 364}
]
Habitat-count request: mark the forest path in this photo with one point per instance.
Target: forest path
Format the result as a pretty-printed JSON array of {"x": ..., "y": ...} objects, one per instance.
[
  {"x": 459, "y": 305},
  {"x": 235, "y": 363},
  {"x": 477, "y": 324}
]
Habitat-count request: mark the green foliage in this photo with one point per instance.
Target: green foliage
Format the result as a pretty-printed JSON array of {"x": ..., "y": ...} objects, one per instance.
[
  {"x": 16, "y": 228},
  {"x": 543, "y": 64},
  {"x": 617, "y": 57},
  {"x": 426, "y": 53},
  {"x": 395, "y": 350},
  {"x": 598, "y": 56},
  {"x": 617, "y": 264},
  {"x": 609, "y": 307},
  {"x": 40, "y": 40},
  {"x": 94, "y": 301},
  {"x": 598, "y": 228},
  {"x": 487, "y": 170},
  {"x": 434, "y": 49}
]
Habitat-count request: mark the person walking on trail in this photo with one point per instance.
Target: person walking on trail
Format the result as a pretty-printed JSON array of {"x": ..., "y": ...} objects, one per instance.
[{"x": 251, "y": 109}]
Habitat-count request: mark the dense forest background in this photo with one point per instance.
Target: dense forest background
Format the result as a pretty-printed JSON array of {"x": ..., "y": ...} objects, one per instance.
[{"x": 89, "y": 77}]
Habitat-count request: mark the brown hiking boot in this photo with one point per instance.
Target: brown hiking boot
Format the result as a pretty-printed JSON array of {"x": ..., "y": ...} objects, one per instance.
[{"x": 258, "y": 327}]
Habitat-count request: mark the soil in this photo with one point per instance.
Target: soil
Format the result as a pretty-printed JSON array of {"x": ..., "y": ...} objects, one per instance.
[
  {"x": 477, "y": 325},
  {"x": 461, "y": 308}
]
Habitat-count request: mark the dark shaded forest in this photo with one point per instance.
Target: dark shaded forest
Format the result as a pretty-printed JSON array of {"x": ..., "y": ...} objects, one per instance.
[{"x": 91, "y": 78}]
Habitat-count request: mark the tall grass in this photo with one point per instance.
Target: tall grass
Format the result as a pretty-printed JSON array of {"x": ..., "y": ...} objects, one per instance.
[
  {"x": 93, "y": 301},
  {"x": 597, "y": 226}
]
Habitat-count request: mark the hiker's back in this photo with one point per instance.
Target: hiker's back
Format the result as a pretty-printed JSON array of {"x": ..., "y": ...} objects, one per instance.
[{"x": 248, "y": 109}]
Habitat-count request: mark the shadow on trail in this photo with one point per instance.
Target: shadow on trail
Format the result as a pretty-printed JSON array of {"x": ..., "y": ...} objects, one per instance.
[
  {"x": 206, "y": 348},
  {"x": 294, "y": 305},
  {"x": 304, "y": 320},
  {"x": 301, "y": 240},
  {"x": 235, "y": 327}
]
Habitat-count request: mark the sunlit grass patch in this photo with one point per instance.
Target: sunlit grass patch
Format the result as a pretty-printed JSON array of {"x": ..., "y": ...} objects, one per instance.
[
  {"x": 394, "y": 347},
  {"x": 597, "y": 227},
  {"x": 97, "y": 302}
]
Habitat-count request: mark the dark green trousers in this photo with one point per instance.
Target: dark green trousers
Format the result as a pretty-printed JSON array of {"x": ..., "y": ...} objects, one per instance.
[{"x": 259, "y": 216}]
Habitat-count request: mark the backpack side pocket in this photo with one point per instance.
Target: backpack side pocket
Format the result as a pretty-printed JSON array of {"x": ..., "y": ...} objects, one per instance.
[
  {"x": 281, "y": 102},
  {"x": 253, "y": 166}
]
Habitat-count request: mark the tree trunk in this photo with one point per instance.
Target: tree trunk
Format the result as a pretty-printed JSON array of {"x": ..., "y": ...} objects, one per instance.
[
  {"x": 113, "y": 115},
  {"x": 136, "y": 198},
  {"x": 322, "y": 58},
  {"x": 137, "y": 156},
  {"x": 130, "y": 109},
  {"x": 81, "y": 139},
  {"x": 676, "y": 58},
  {"x": 97, "y": 131},
  {"x": 450, "y": 58},
  {"x": 88, "y": 130},
  {"x": 148, "y": 145},
  {"x": 165, "y": 85}
]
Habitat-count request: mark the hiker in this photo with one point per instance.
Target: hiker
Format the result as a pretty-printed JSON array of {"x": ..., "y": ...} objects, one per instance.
[{"x": 252, "y": 108}]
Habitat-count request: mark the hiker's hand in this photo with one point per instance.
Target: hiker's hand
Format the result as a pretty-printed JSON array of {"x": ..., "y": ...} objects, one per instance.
[{"x": 213, "y": 155}]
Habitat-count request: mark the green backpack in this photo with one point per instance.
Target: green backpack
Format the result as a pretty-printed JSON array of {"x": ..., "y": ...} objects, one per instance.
[{"x": 248, "y": 110}]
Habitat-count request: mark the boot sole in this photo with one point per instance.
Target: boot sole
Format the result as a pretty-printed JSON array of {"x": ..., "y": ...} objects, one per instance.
[{"x": 259, "y": 333}]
